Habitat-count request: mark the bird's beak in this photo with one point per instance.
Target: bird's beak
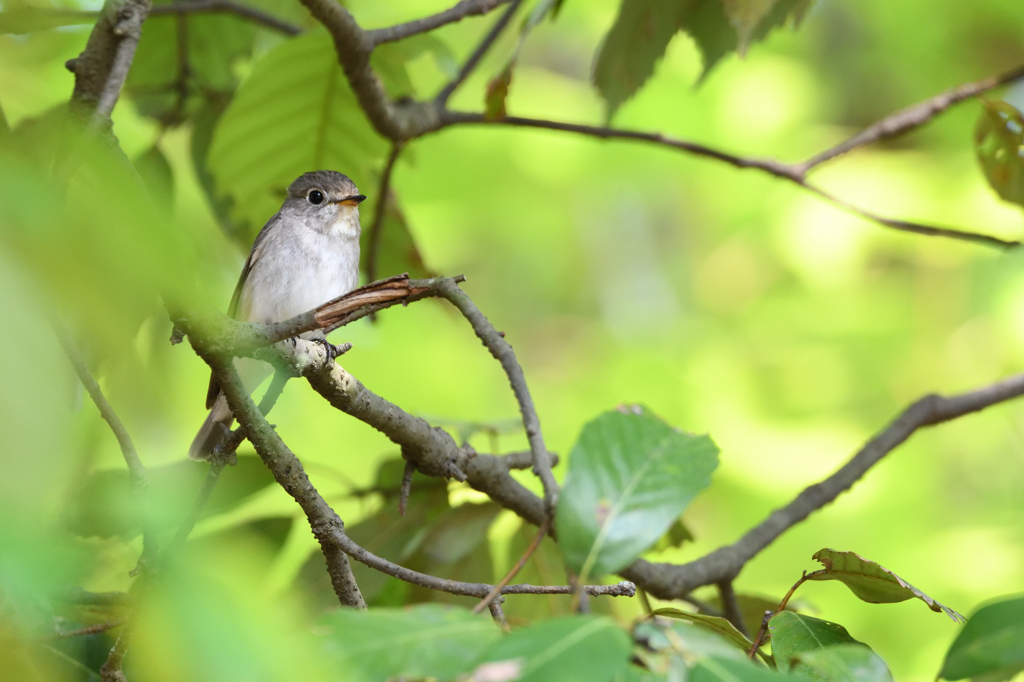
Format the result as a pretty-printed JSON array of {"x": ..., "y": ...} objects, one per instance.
[{"x": 354, "y": 200}]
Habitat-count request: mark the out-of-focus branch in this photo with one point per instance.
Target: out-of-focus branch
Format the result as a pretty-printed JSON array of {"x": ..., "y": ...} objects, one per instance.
[
  {"x": 460, "y": 11},
  {"x": 228, "y": 7},
  {"x": 777, "y": 169},
  {"x": 380, "y": 211},
  {"x": 89, "y": 629},
  {"x": 136, "y": 470},
  {"x": 912, "y": 117},
  {"x": 478, "y": 53},
  {"x": 101, "y": 68},
  {"x": 667, "y": 581}
]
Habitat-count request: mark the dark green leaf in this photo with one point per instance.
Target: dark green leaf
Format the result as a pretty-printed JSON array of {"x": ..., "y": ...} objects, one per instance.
[
  {"x": 753, "y": 608},
  {"x": 182, "y": 60},
  {"x": 644, "y": 28},
  {"x": 267, "y": 138},
  {"x": 156, "y": 172},
  {"x": 991, "y": 642},
  {"x": 999, "y": 144},
  {"x": 841, "y": 663},
  {"x": 418, "y": 642},
  {"x": 630, "y": 476},
  {"x": 794, "y": 633},
  {"x": 583, "y": 648},
  {"x": 675, "y": 536},
  {"x": 871, "y": 582}
]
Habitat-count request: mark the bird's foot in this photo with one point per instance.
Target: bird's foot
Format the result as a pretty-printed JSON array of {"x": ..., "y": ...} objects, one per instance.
[{"x": 332, "y": 350}]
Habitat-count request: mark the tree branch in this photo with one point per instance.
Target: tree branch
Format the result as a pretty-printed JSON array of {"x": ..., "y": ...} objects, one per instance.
[
  {"x": 102, "y": 67},
  {"x": 227, "y": 7},
  {"x": 478, "y": 53},
  {"x": 667, "y": 581},
  {"x": 913, "y": 117},
  {"x": 460, "y": 11}
]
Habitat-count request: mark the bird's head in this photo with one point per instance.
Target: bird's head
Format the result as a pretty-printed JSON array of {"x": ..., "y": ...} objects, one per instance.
[{"x": 326, "y": 200}]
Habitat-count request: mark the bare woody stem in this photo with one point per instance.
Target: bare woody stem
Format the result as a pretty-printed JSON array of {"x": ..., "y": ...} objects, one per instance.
[
  {"x": 227, "y": 7},
  {"x": 478, "y": 54},
  {"x": 460, "y": 11}
]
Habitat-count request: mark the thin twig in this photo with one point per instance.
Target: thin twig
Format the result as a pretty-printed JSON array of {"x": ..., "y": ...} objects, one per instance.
[
  {"x": 89, "y": 629},
  {"x": 645, "y": 602},
  {"x": 460, "y": 11},
  {"x": 227, "y": 7},
  {"x": 756, "y": 644},
  {"x": 486, "y": 601},
  {"x": 501, "y": 350},
  {"x": 127, "y": 28},
  {"x": 136, "y": 470},
  {"x": 913, "y": 117},
  {"x": 380, "y": 211},
  {"x": 731, "y": 606},
  {"x": 768, "y": 615},
  {"x": 478, "y": 53}
]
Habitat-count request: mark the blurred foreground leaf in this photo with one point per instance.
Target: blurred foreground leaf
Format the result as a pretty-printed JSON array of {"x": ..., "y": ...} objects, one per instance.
[
  {"x": 570, "y": 648},
  {"x": 422, "y": 641},
  {"x": 991, "y": 643},
  {"x": 630, "y": 476},
  {"x": 643, "y": 29},
  {"x": 871, "y": 582},
  {"x": 17, "y": 18},
  {"x": 713, "y": 623},
  {"x": 999, "y": 144}
]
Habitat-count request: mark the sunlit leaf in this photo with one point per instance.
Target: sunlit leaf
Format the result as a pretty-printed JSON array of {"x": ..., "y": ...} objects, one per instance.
[
  {"x": 418, "y": 642},
  {"x": 794, "y": 634},
  {"x": 571, "y": 648},
  {"x": 295, "y": 113},
  {"x": 841, "y": 663},
  {"x": 999, "y": 144},
  {"x": 630, "y": 476},
  {"x": 871, "y": 582},
  {"x": 992, "y": 642}
]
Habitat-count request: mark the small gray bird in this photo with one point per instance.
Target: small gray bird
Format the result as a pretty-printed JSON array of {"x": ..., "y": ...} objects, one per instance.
[{"x": 306, "y": 255}]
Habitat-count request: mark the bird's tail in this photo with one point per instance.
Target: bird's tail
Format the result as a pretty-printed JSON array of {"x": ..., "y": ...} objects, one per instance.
[{"x": 212, "y": 432}]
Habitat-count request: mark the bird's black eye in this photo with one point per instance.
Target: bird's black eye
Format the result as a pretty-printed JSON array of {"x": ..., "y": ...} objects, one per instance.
[{"x": 315, "y": 197}]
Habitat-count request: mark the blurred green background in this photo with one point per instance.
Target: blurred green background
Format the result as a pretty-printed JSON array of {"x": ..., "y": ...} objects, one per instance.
[{"x": 727, "y": 301}]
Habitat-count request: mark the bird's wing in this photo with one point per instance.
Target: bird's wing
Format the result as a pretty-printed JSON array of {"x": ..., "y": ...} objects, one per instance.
[{"x": 254, "y": 255}]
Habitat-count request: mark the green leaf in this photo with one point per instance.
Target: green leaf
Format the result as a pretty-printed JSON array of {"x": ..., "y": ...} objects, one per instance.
[
  {"x": 794, "y": 634},
  {"x": 753, "y": 608},
  {"x": 999, "y": 144},
  {"x": 630, "y": 476},
  {"x": 643, "y": 29},
  {"x": 712, "y": 669},
  {"x": 583, "y": 648},
  {"x": 295, "y": 113},
  {"x": 691, "y": 641},
  {"x": 841, "y": 663},
  {"x": 992, "y": 641},
  {"x": 169, "y": 85},
  {"x": 871, "y": 582},
  {"x": 713, "y": 623},
  {"x": 417, "y": 642},
  {"x": 675, "y": 536},
  {"x": 27, "y": 19},
  {"x": 497, "y": 92}
]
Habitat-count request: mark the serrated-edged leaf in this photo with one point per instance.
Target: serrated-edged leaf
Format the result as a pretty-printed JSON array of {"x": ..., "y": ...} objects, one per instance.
[
  {"x": 872, "y": 582},
  {"x": 566, "y": 649},
  {"x": 794, "y": 634},
  {"x": 634, "y": 44},
  {"x": 992, "y": 641},
  {"x": 713, "y": 623},
  {"x": 841, "y": 663},
  {"x": 630, "y": 476},
  {"x": 422, "y": 641},
  {"x": 397, "y": 252},
  {"x": 295, "y": 113},
  {"x": 999, "y": 145}
]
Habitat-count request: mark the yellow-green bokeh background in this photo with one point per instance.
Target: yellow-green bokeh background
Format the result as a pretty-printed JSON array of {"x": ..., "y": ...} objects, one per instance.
[{"x": 726, "y": 300}]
